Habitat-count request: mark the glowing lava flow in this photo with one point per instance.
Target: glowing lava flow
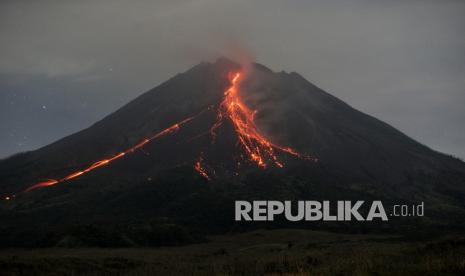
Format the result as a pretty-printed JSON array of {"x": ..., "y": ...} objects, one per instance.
[
  {"x": 258, "y": 148},
  {"x": 200, "y": 169},
  {"x": 103, "y": 162}
]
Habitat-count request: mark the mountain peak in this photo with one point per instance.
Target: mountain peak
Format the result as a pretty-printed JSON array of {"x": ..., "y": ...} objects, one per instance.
[
  {"x": 224, "y": 61},
  {"x": 224, "y": 124},
  {"x": 214, "y": 134},
  {"x": 261, "y": 67}
]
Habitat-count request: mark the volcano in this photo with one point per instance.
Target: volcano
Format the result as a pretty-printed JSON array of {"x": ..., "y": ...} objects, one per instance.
[{"x": 218, "y": 132}]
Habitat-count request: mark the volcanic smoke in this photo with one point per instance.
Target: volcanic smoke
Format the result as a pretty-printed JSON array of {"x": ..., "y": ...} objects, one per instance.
[{"x": 257, "y": 147}]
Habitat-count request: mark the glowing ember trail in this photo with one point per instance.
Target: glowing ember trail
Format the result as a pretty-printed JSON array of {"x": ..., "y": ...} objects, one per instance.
[
  {"x": 104, "y": 162},
  {"x": 258, "y": 148},
  {"x": 200, "y": 169}
]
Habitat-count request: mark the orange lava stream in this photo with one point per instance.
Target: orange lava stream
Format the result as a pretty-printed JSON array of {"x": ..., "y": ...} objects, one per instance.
[
  {"x": 200, "y": 169},
  {"x": 258, "y": 148},
  {"x": 104, "y": 162}
]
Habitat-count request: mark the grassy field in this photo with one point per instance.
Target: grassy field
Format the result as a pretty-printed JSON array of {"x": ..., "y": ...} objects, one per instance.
[{"x": 276, "y": 252}]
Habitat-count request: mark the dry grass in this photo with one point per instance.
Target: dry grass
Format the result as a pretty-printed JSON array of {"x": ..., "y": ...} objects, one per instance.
[{"x": 278, "y": 252}]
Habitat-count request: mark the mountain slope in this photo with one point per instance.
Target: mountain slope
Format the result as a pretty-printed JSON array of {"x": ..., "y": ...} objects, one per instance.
[{"x": 204, "y": 164}]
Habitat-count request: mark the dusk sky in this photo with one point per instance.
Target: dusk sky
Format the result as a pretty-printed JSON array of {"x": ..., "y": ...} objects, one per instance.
[{"x": 66, "y": 64}]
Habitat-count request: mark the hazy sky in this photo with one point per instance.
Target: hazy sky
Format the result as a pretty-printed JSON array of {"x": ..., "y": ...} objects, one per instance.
[{"x": 66, "y": 64}]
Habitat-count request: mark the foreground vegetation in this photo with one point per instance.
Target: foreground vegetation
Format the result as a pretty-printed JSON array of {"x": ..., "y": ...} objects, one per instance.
[{"x": 275, "y": 252}]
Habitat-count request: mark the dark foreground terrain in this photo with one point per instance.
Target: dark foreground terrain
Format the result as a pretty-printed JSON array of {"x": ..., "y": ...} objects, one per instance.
[{"x": 275, "y": 252}]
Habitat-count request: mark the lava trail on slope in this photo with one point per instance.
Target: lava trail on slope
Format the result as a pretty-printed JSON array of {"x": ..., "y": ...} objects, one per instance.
[
  {"x": 104, "y": 162},
  {"x": 258, "y": 149}
]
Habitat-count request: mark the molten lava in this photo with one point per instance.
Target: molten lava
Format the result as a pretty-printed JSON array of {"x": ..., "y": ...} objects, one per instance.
[
  {"x": 199, "y": 167},
  {"x": 104, "y": 162},
  {"x": 259, "y": 149}
]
